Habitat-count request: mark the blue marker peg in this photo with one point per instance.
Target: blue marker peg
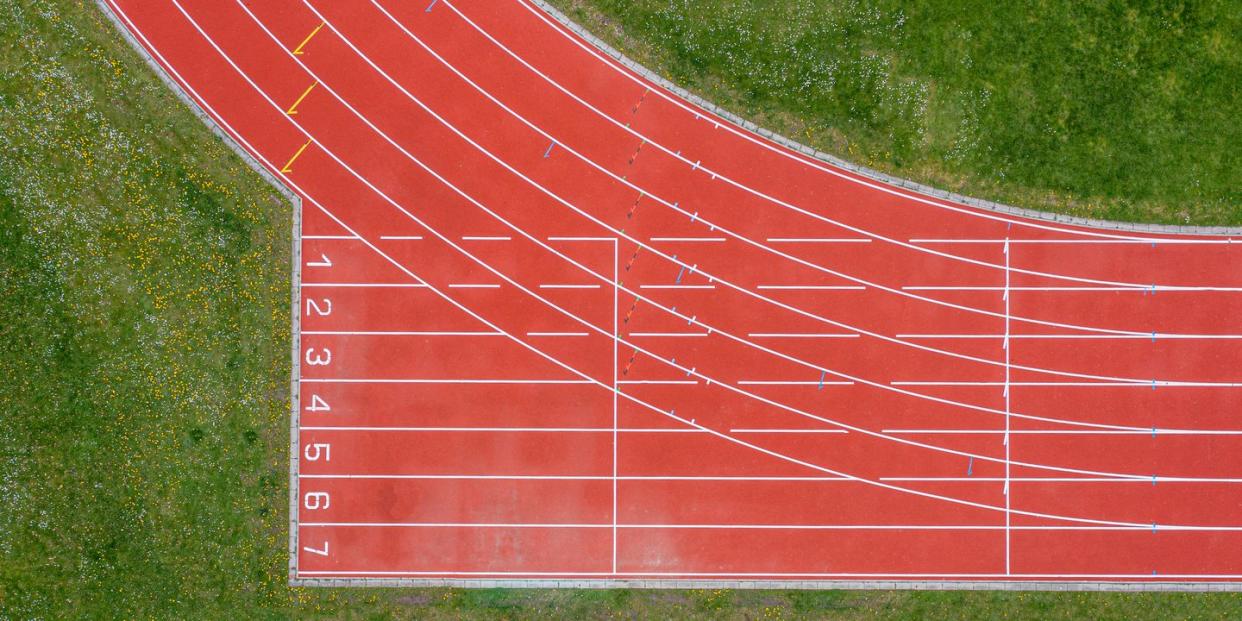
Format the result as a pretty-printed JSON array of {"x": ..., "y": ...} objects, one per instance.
[
  {"x": 549, "y": 151},
  {"x": 1153, "y": 384},
  {"x": 970, "y": 466},
  {"x": 1153, "y": 336},
  {"x": 429, "y": 6},
  {"x": 680, "y": 272},
  {"x": 821, "y": 379}
]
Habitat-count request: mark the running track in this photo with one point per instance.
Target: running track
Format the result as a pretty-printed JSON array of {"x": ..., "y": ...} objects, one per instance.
[{"x": 557, "y": 323}]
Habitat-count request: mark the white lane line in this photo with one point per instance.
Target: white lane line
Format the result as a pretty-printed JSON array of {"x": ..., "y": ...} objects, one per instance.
[
  {"x": 486, "y": 238},
  {"x": 397, "y": 285},
  {"x": 558, "y": 334},
  {"x": 402, "y": 237},
  {"x": 342, "y": 380},
  {"x": 668, "y": 334},
  {"x": 661, "y": 382},
  {"x": 677, "y": 286},
  {"x": 662, "y": 201},
  {"x": 554, "y": 286},
  {"x": 473, "y": 286},
  {"x": 812, "y": 287},
  {"x": 578, "y": 525},
  {"x": 396, "y": 333},
  {"x": 586, "y": 239},
  {"x": 1160, "y": 241},
  {"x": 788, "y": 431},
  {"x": 1074, "y": 432},
  {"x": 748, "y": 136},
  {"x": 719, "y": 574},
  {"x": 791, "y": 383},
  {"x": 801, "y": 335},
  {"x": 818, "y": 240},
  {"x": 561, "y": 200},
  {"x": 991, "y": 288},
  {"x": 762, "y": 479},
  {"x": 1141, "y": 337},
  {"x": 1061, "y": 480},
  {"x": 329, "y": 237},
  {"x": 1160, "y": 383},
  {"x": 688, "y": 239},
  {"x": 247, "y": 78},
  {"x": 507, "y": 429},
  {"x": 117, "y": 10}
]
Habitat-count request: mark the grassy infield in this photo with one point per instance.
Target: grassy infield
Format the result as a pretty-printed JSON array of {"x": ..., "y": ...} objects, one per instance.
[{"x": 144, "y": 286}]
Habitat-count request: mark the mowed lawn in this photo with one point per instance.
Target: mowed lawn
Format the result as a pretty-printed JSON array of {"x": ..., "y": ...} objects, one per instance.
[
  {"x": 1116, "y": 110},
  {"x": 144, "y": 366}
]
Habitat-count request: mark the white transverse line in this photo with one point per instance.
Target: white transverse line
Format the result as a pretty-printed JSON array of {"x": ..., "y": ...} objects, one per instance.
[
  {"x": 473, "y": 286},
  {"x": 557, "y": 334},
  {"x": 687, "y": 239},
  {"x": 329, "y": 237},
  {"x": 396, "y": 333},
  {"x": 1008, "y": 416},
  {"x": 485, "y": 238},
  {"x": 569, "y": 286},
  {"x": 402, "y": 237}
]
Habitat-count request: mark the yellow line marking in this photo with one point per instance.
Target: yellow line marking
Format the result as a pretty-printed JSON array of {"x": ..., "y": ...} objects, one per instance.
[
  {"x": 291, "y": 111},
  {"x": 298, "y": 50},
  {"x": 286, "y": 168}
]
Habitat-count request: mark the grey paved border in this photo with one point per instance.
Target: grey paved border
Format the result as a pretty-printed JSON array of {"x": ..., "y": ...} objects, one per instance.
[
  {"x": 859, "y": 169},
  {"x": 800, "y": 585},
  {"x": 295, "y": 264},
  {"x": 567, "y": 583}
]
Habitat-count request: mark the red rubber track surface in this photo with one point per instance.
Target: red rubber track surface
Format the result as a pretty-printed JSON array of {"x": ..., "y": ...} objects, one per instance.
[{"x": 559, "y": 323}]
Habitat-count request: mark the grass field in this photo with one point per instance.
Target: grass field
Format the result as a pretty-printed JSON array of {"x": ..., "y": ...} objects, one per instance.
[
  {"x": 1116, "y": 110},
  {"x": 144, "y": 335}
]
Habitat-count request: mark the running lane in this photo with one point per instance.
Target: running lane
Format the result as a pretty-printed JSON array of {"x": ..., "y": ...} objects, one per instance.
[{"x": 557, "y": 322}]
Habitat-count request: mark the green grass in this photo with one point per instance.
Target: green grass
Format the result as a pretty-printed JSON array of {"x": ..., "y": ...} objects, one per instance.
[
  {"x": 144, "y": 335},
  {"x": 1117, "y": 110}
]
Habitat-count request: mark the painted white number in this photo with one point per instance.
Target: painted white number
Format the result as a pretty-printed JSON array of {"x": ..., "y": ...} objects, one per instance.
[
  {"x": 325, "y": 359},
  {"x": 318, "y": 405},
  {"x": 323, "y": 552},
  {"x": 326, "y": 262},
  {"x": 316, "y": 500},
  {"x": 322, "y": 312},
  {"x": 314, "y": 451}
]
